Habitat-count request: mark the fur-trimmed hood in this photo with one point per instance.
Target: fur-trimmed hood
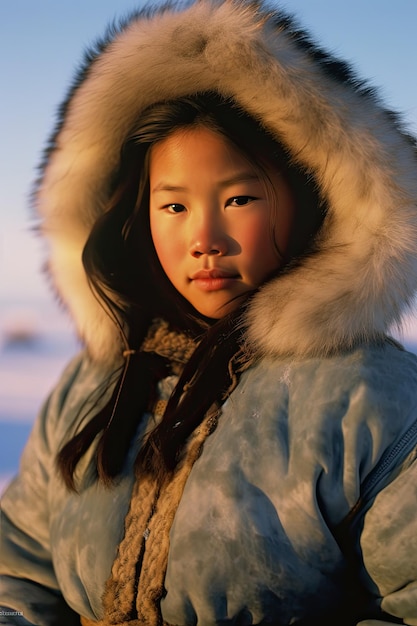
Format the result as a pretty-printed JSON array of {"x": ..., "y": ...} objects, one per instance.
[{"x": 364, "y": 272}]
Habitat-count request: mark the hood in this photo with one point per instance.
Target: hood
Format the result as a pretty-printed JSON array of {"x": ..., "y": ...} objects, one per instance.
[{"x": 363, "y": 272}]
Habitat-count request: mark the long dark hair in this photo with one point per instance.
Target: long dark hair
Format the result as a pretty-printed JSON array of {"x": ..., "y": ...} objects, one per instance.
[{"x": 125, "y": 274}]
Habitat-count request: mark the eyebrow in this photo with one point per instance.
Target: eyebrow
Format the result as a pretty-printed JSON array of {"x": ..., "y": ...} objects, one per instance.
[{"x": 233, "y": 180}]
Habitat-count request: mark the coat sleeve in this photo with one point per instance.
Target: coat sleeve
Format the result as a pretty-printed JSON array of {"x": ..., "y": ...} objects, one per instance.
[
  {"x": 29, "y": 591},
  {"x": 389, "y": 547}
]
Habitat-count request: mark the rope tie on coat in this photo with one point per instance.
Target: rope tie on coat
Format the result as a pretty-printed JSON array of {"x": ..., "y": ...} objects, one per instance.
[{"x": 136, "y": 585}]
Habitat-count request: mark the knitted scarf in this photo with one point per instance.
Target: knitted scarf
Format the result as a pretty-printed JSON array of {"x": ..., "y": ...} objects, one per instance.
[{"x": 136, "y": 585}]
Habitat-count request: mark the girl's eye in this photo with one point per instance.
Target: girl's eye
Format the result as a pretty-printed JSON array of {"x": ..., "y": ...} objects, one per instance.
[
  {"x": 175, "y": 208},
  {"x": 240, "y": 200}
]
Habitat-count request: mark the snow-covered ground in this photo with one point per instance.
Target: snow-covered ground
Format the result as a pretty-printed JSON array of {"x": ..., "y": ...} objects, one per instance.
[{"x": 36, "y": 342}]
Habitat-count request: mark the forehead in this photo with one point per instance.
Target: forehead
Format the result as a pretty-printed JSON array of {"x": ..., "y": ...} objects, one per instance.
[{"x": 197, "y": 148}]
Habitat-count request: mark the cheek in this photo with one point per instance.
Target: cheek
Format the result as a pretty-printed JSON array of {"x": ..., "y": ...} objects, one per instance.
[
  {"x": 256, "y": 240},
  {"x": 160, "y": 241},
  {"x": 166, "y": 243}
]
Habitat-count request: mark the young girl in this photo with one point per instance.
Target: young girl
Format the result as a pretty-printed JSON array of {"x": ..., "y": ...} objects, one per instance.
[{"x": 232, "y": 223}]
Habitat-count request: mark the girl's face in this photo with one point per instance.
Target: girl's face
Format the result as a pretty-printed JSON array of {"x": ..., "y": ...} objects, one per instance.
[{"x": 211, "y": 219}]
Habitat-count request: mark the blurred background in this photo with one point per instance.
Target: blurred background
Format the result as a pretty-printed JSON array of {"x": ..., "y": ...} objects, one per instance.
[{"x": 42, "y": 44}]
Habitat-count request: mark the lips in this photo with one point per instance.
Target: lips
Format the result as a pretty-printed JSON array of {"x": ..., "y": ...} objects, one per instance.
[
  {"x": 211, "y": 274},
  {"x": 213, "y": 280}
]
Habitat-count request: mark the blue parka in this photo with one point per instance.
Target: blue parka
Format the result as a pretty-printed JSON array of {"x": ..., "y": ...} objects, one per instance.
[
  {"x": 259, "y": 528},
  {"x": 304, "y": 498}
]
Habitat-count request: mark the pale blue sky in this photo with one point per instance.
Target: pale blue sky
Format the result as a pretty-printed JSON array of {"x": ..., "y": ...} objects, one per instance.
[{"x": 43, "y": 40}]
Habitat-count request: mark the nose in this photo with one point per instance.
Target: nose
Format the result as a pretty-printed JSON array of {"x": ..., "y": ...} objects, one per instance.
[{"x": 208, "y": 237}]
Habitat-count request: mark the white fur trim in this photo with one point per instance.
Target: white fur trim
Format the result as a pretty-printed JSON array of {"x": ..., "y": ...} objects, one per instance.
[{"x": 365, "y": 271}]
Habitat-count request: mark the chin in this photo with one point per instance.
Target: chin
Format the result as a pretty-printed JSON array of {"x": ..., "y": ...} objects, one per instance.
[{"x": 214, "y": 313}]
